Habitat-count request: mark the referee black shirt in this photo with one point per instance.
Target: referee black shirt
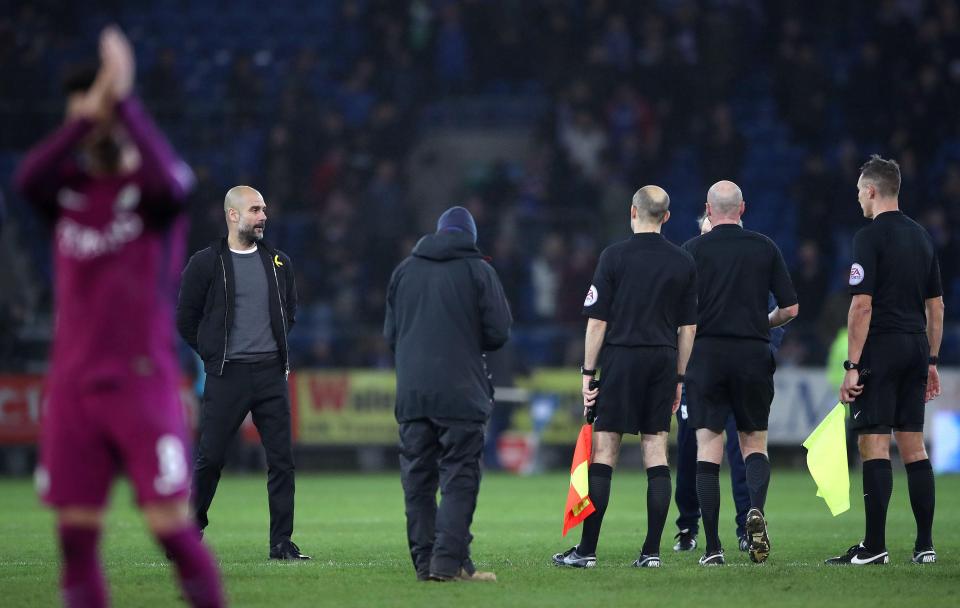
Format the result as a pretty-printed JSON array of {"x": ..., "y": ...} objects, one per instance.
[
  {"x": 737, "y": 269},
  {"x": 894, "y": 261},
  {"x": 645, "y": 288}
]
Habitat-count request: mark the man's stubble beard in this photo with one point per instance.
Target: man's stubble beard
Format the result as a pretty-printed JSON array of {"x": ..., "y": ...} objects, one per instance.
[{"x": 249, "y": 235}]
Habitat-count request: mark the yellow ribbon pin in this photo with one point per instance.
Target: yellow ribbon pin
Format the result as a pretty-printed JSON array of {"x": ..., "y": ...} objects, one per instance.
[{"x": 276, "y": 260}]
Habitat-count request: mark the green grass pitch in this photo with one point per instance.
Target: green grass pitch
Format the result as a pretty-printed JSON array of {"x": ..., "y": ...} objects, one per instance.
[{"x": 353, "y": 525}]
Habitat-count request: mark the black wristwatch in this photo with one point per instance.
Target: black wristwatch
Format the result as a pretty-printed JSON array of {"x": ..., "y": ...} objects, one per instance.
[
  {"x": 681, "y": 378},
  {"x": 587, "y": 372},
  {"x": 933, "y": 360},
  {"x": 849, "y": 365}
]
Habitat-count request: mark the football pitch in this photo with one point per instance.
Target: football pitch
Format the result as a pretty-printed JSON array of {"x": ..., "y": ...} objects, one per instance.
[{"x": 353, "y": 526}]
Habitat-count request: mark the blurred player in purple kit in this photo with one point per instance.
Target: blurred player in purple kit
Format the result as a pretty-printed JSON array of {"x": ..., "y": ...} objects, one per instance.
[{"x": 113, "y": 190}]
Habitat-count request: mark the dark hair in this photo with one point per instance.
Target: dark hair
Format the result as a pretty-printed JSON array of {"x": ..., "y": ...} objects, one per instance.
[
  {"x": 79, "y": 78},
  {"x": 884, "y": 174}
]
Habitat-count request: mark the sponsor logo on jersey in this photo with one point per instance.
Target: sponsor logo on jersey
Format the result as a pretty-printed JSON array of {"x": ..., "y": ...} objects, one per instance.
[{"x": 85, "y": 242}]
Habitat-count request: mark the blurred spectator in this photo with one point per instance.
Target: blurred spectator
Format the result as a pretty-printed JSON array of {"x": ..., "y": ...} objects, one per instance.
[
  {"x": 575, "y": 280},
  {"x": 355, "y": 99},
  {"x": 947, "y": 247},
  {"x": 280, "y": 176},
  {"x": 163, "y": 88},
  {"x": 244, "y": 90},
  {"x": 584, "y": 140},
  {"x": 451, "y": 58},
  {"x": 511, "y": 267},
  {"x": 723, "y": 149},
  {"x": 546, "y": 272},
  {"x": 618, "y": 43},
  {"x": 810, "y": 279},
  {"x": 818, "y": 196}
]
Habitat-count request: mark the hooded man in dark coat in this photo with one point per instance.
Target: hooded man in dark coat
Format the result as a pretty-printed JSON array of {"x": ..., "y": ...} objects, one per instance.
[{"x": 445, "y": 307}]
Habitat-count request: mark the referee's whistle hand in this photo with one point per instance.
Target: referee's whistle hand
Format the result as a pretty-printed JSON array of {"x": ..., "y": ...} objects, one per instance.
[
  {"x": 589, "y": 394},
  {"x": 851, "y": 387}
]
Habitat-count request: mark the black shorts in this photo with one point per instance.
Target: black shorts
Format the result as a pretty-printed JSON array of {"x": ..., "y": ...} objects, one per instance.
[
  {"x": 637, "y": 387},
  {"x": 729, "y": 375},
  {"x": 895, "y": 387}
]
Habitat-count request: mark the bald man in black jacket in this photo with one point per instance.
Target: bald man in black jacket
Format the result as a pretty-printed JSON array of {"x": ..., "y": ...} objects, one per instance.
[{"x": 445, "y": 307}]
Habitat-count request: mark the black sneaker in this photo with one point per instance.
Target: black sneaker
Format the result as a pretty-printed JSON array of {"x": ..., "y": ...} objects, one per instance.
[
  {"x": 858, "y": 555},
  {"x": 713, "y": 558},
  {"x": 743, "y": 543},
  {"x": 647, "y": 561},
  {"x": 572, "y": 559},
  {"x": 286, "y": 550},
  {"x": 686, "y": 540},
  {"x": 758, "y": 541},
  {"x": 924, "y": 556}
]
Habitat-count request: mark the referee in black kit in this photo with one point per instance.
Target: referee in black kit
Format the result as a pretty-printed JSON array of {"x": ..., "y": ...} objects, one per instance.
[
  {"x": 731, "y": 368},
  {"x": 895, "y": 326},
  {"x": 642, "y": 309}
]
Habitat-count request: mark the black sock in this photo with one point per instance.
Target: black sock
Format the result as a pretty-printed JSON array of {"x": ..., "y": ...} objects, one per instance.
[
  {"x": 758, "y": 479},
  {"x": 658, "y": 504},
  {"x": 708, "y": 493},
  {"x": 599, "y": 488},
  {"x": 922, "y": 498},
  {"x": 877, "y": 487}
]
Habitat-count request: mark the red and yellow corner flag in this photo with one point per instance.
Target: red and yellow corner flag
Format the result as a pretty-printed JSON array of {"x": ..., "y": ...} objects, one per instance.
[{"x": 579, "y": 505}]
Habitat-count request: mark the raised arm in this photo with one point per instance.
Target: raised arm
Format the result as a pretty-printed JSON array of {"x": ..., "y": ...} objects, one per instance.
[{"x": 167, "y": 179}]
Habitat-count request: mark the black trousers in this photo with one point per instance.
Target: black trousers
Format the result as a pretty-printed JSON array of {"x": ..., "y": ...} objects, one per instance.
[
  {"x": 259, "y": 388},
  {"x": 442, "y": 453}
]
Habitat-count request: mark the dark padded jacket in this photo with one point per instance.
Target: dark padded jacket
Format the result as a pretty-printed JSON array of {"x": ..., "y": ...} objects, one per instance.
[
  {"x": 206, "y": 302},
  {"x": 445, "y": 307}
]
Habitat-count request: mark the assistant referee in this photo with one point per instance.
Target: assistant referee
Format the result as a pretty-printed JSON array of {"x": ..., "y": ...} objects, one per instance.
[
  {"x": 642, "y": 309},
  {"x": 895, "y": 326},
  {"x": 731, "y": 368}
]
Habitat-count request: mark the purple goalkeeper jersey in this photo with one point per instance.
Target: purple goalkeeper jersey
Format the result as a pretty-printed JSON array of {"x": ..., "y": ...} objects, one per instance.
[{"x": 118, "y": 250}]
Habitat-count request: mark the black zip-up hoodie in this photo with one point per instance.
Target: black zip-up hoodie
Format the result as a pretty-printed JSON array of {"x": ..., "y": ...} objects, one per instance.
[
  {"x": 445, "y": 307},
  {"x": 207, "y": 296}
]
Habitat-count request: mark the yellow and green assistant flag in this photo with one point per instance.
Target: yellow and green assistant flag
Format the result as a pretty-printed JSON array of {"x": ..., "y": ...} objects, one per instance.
[{"x": 827, "y": 460}]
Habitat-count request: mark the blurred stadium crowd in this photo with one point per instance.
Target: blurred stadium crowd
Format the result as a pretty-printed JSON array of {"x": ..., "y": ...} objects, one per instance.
[{"x": 319, "y": 103}]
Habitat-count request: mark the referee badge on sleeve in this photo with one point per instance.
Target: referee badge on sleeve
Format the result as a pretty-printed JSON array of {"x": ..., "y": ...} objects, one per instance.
[
  {"x": 591, "y": 297},
  {"x": 856, "y": 274}
]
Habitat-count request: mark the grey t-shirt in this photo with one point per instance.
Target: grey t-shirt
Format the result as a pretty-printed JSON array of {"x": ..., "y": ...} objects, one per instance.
[{"x": 251, "y": 336}]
